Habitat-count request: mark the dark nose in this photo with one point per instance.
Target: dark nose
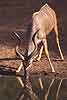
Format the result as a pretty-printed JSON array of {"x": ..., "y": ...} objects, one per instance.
[{"x": 26, "y": 63}]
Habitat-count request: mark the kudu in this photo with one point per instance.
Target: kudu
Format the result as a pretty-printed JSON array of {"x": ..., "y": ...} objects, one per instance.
[
  {"x": 21, "y": 42},
  {"x": 28, "y": 54},
  {"x": 45, "y": 21}
]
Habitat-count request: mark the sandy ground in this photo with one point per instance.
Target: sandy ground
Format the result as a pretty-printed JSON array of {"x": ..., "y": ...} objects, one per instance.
[{"x": 38, "y": 66}]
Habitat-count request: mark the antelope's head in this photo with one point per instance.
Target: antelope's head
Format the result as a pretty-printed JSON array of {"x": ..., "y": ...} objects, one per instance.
[{"x": 30, "y": 51}]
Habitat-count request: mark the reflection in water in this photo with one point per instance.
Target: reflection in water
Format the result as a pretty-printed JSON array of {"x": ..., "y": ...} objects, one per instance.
[
  {"x": 42, "y": 88},
  {"x": 47, "y": 93},
  {"x": 8, "y": 88},
  {"x": 21, "y": 81},
  {"x": 38, "y": 87},
  {"x": 27, "y": 92},
  {"x": 58, "y": 90}
]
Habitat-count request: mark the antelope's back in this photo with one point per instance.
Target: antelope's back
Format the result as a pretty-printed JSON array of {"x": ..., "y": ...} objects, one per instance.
[{"x": 44, "y": 19}]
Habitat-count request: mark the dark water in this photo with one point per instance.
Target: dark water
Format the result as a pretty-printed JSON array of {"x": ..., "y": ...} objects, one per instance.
[{"x": 39, "y": 88}]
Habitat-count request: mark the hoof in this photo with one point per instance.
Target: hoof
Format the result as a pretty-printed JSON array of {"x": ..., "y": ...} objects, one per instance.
[
  {"x": 38, "y": 58},
  {"x": 17, "y": 71},
  {"x": 62, "y": 59},
  {"x": 53, "y": 71}
]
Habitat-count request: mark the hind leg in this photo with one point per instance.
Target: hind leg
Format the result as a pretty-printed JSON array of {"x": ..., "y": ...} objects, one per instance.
[
  {"x": 47, "y": 54},
  {"x": 59, "y": 48},
  {"x": 57, "y": 40}
]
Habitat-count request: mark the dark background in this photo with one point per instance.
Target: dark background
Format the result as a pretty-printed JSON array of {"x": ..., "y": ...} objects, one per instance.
[{"x": 16, "y": 14}]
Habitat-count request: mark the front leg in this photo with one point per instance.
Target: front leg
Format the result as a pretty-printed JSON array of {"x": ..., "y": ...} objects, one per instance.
[
  {"x": 21, "y": 56},
  {"x": 20, "y": 67},
  {"x": 40, "y": 53},
  {"x": 47, "y": 54},
  {"x": 39, "y": 45}
]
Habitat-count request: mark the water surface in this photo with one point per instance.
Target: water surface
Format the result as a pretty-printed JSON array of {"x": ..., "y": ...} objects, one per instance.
[{"x": 39, "y": 88}]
